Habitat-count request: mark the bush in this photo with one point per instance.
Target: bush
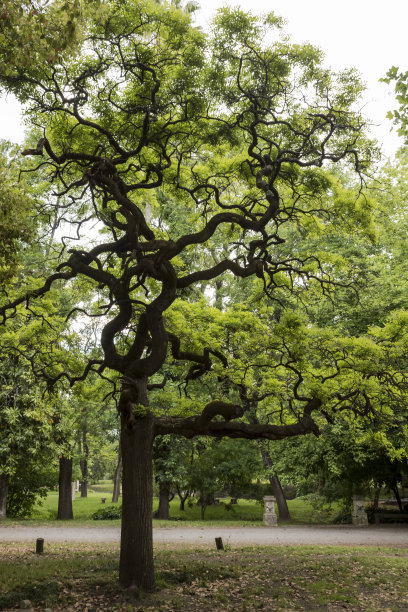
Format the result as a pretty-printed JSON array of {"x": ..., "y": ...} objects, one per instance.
[
  {"x": 289, "y": 491},
  {"x": 28, "y": 485},
  {"x": 343, "y": 518},
  {"x": 371, "y": 511},
  {"x": 108, "y": 513}
]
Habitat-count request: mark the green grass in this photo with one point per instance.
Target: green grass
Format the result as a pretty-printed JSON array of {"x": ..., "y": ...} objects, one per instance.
[
  {"x": 246, "y": 512},
  {"x": 267, "y": 578}
]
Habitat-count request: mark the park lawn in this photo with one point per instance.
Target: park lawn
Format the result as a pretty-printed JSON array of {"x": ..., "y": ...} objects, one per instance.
[
  {"x": 200, "y": 579},
  {"x": 245, "y": 512}
]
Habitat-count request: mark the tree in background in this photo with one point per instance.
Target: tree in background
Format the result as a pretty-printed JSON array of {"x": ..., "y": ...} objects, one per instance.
[{"x": 27, "y": 452}]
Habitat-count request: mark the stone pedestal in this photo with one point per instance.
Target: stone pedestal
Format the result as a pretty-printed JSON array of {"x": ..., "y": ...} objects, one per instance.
[
  {"x": 269, "y": 517},
  {"x": 359, "y": 515}
]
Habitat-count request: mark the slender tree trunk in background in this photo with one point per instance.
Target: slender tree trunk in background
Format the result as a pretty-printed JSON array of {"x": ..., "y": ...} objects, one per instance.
[
  {"x": 84, "y": 464},
  {"x": 116, "y": 478},
  {"x": 397, "y": 496},
  {"x": 204, "y": 501},
  {"x": 182, "y": 497},
  {"x": 164, "y": 501},
  {"x": 136, "y": 568},
  {"x": 377, "y": 492},
  {"x": 3, "y": 495},
  {"x": 65, "y": 489},
  {"x": 283, "y": 509}
]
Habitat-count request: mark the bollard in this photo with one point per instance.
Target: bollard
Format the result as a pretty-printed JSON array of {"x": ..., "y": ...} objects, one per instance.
[
  {"x": 220, "y": 545},
  {"x": 39, "y": 547}
]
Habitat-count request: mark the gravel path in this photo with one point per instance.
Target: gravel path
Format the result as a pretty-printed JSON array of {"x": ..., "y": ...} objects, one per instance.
[{"x": 337, "y": 535}]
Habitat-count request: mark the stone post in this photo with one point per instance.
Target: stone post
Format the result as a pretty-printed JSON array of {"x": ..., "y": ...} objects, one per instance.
[
  {"x": 269, "y": 517},
  {"x": 73, "y": 490},
  {"x": 359, "y": 515}
]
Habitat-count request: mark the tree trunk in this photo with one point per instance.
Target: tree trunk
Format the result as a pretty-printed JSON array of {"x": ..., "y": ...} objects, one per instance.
[
  {"x": 116, "y": 478},
  {"x": 3, "y": 495},
  {"x": 83, "y": 463},
  {"x": 203, "y": 508},
  {"x": 397, "y": 496},
  {"x": 136, "y": 568},
  {"x": 65, "y": 489},
  {"x": 182, "y": 496},
  {"x": 164, "y": 501},
  {"x": 377, "y": 491},
  {"x": 283, "y": 509}
]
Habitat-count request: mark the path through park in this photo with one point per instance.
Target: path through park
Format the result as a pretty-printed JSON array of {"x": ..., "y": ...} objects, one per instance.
[{"x": 337, "y": 535}]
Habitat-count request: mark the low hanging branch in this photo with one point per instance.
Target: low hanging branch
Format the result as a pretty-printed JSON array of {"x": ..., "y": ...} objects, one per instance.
[{"x": 204, "y": 424}]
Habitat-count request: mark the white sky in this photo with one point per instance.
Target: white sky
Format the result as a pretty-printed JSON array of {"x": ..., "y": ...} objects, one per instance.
[{"x": 370, "y": 35}]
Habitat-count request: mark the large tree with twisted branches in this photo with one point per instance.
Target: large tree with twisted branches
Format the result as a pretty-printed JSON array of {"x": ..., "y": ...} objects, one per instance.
[{"x": 140, "y": 111}]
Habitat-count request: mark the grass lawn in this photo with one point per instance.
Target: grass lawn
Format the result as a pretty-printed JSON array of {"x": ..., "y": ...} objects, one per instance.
[
  {"x": 246, "y": 512},
  {"x": 262, "y": 578}
]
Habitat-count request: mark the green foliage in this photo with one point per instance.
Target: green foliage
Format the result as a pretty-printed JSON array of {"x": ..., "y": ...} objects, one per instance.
[
  {"x": 108, "y": 513},
  {"x": 26, "y": 440},
  {"x": 16, "y": 210},
  {"x": 399, "y": 116},
  {"x": 30, "y": 483}
]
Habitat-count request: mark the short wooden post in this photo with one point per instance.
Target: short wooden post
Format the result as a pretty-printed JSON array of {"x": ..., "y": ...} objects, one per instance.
[
  {"x": 39, "y": 547},
  {"x": 220, "y": 545}
]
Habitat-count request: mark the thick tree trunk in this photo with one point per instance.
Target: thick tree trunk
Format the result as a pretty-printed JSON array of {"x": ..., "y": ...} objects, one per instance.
[
  {"x": 3, "y": 495},
  {"x": 116, "y": 478},
  {"x": 164, "y": 501},
  {"x": 136, "y": 568},
  {"x": 65, "y": 489},
  {"x": 283, "y": 509},
  {"x": 83, "y": 463}
]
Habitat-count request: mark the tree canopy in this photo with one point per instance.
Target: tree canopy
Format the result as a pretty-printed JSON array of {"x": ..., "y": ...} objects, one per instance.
[{"x": 178, "y": 157}]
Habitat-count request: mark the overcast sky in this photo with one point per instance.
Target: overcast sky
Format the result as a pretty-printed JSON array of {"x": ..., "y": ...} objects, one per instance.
[{"x": 366, "y": 34}]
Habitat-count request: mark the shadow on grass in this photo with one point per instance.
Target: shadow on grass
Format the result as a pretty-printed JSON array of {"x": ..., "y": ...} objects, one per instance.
[{"x": 47, "y": 593}]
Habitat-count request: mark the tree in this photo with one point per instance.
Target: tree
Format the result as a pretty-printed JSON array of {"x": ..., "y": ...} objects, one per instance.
[
  {"x": 233, "y": 129},
  {"x": 16, "y": 205},
  {"x": 26, "y": 444}
]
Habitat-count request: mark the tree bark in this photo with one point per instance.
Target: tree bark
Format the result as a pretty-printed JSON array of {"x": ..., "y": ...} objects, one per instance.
[
  {"x": 136, "y": 567},
  {"x": 65, "y": 489},
  {"x": 116, "y": 478},
  {"x": 397, "y": 496},
  {"x": 182, "y": 496},
  {"x": 164, "y": 501},
  {"x": 3, "y": 496},
  {"x": 283, "y": 509},
  {"x": 377, "y": 491},
  {"x": 83, "y": 463}
]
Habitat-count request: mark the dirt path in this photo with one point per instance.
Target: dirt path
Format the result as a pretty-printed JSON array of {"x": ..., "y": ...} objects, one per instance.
[{"x": 337, "y": 535}]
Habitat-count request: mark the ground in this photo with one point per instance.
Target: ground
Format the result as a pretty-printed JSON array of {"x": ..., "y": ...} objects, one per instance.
[
  {"x": 372, "y": 535},
  {"x": 197, "y": 578}
]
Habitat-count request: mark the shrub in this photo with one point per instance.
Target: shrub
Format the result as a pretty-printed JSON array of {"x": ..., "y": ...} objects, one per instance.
[{"x": 108, "y": 513}]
